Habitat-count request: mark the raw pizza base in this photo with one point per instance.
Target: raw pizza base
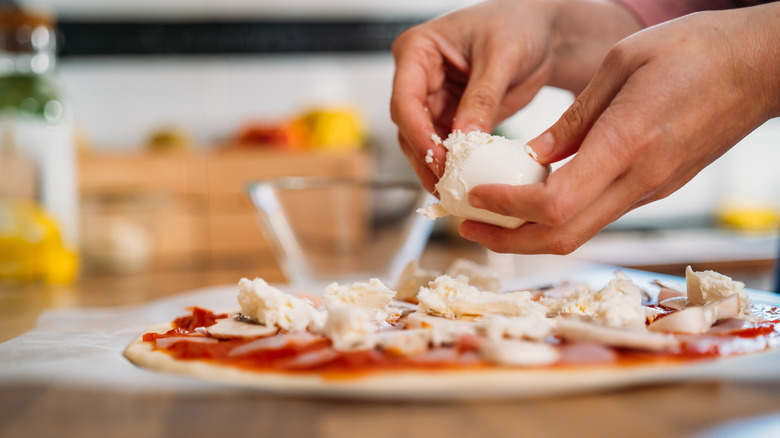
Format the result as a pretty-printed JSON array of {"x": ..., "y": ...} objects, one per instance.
[{"x": 492, "y": 383}]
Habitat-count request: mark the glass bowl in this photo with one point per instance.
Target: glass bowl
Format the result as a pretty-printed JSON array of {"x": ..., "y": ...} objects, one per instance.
[{"x": 324, "y": 229}]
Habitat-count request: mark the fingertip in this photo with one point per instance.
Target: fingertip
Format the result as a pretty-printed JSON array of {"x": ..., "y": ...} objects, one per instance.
[
  {"x": 475, "y": 198},
  {"x": 466, "y": 230},
  {"x": 471, "y": 127},
  {"x": 543, "y": 146}
]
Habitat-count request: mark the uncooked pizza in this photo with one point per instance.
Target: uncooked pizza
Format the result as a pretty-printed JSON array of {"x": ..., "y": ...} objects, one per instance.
[{"x": 437, "y": 330}]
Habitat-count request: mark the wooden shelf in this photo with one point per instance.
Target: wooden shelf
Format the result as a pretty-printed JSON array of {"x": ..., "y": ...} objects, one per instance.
[{"x": 195, "y": 206}]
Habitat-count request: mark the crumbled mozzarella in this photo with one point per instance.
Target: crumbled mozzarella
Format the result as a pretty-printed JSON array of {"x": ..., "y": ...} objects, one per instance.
[
  {"x": 454, "y": 297},
  {"x": 351, "y": 328},
  {"x": 274, "y": 308},
  {"x": 374, "y": 296},
  {"x": 618, "y": 304},
  {"x": 707, "y": 286},
  {"x": 479, "y": 276},
  {"x": 412, "y": 279}
]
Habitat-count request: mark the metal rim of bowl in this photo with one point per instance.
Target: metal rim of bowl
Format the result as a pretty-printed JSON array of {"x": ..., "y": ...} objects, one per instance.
[{"x": 310, "y": 182}]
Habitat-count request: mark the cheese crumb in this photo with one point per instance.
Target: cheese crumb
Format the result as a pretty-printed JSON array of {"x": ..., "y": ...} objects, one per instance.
[
  {"x": 454, "y": 297},
  {"x": 706, "y": 287},
  {"x": 274, "y": 308},
  {"x": 412, "y": 279},
  {"x": 479, "y": 276},
  {"x": 350, "y": 328},
  {"x": 618, "y": 304},
  {"x": 374, "y": 296}
]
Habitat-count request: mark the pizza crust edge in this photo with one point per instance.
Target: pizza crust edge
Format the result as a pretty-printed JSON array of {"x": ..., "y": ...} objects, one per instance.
[{"x": 471, "y": 384}]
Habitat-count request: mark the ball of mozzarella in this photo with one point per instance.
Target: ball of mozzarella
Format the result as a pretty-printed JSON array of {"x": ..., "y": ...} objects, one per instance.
[{"x": 480, "y": 158}]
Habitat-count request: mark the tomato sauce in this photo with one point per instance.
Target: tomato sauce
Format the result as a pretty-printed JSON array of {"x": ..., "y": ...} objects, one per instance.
[{"x": 198, "y": 318}]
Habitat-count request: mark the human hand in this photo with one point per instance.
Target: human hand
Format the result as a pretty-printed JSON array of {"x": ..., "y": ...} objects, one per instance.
[
  {"x": 471, "y": 69},
  {"x": 665, "y": 103}
]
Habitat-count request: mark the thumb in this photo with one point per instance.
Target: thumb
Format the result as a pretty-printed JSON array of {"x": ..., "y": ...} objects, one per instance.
[
  {"x": 564, "y": 138},
  {"x": 487, "y": 84}
]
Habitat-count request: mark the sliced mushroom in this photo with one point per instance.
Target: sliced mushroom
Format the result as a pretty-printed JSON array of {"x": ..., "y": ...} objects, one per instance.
[
  {"x": 444, "y": 330},
  {"x": 666, "y": 293},
  {"x": 404, "y": 342},
  {"x": 698, "y": 319},
  {"x": 237, "y": 327},
  {"x": 692, "y": 320},
  {"x": 675, "y": 302},
  {"x": 518, "y": 353},
  {"x": 576, "y": 329}
]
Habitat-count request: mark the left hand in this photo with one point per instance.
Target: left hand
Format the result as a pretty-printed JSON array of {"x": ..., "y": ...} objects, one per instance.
[{"x": 665, "y": 103}]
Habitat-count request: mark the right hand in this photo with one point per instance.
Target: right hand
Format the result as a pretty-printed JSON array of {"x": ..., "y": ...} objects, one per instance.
[{"x": 471, "y": 69}]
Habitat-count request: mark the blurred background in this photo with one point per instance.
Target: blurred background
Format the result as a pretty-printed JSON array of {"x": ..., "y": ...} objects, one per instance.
[{"x": 163, "y": 112}]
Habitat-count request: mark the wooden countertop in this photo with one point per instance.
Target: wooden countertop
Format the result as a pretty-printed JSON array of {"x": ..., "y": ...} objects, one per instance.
[{"x": 37, "y": 409}]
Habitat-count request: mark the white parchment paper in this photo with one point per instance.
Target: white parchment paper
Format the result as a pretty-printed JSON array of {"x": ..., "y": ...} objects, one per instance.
[{"x": 84, "y": 346}]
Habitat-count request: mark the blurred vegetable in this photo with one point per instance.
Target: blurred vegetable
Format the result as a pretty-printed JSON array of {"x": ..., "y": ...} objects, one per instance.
[{"x": 334, "y": 129}]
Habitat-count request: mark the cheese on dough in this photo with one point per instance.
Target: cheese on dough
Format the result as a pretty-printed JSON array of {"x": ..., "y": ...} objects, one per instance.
[
  {"x": 706, "y": 287},
  {"x": 454, "y": 297},
  {"x": 618, "y": 304},
  {"x": 273, "y": 308},
  {"x": 373, "y": 296},
  {"x": 412, "y": 279},
  {"x": 479, "y": 276},
  {"x": 351, "y": 328}
]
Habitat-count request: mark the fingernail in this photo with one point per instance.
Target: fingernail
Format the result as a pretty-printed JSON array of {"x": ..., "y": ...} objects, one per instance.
[
  {"x": 476, "y": 201},
  {"x": 464, "y": 233},
  {"x": 543, "y": 145},
  {"x": 471, "y": 128}
]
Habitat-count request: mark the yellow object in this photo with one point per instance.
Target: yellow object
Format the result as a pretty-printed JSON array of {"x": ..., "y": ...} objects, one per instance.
[
  {"x": 169, "y": 139},
  {"x": 334, "y": 129},
  {"x": 750, "y": 218},
  {"x": 31, "y": 247}
]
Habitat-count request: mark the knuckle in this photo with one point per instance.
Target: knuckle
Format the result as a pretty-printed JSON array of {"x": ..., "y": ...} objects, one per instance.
[
  {"x": 574, "y": 118},
  {"x": 563, "y": 244},
  {"x": 482, "y": 98},
  {"x": 618, "y": 55},
  {"x": 402, "y": 41},
  {"x": 556, "y": 211}
]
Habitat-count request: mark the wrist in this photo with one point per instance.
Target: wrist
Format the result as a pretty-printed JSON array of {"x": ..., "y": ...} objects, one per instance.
[
  {"x": 770, "y": 43},
  {"x": 758, "y": 56}
]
